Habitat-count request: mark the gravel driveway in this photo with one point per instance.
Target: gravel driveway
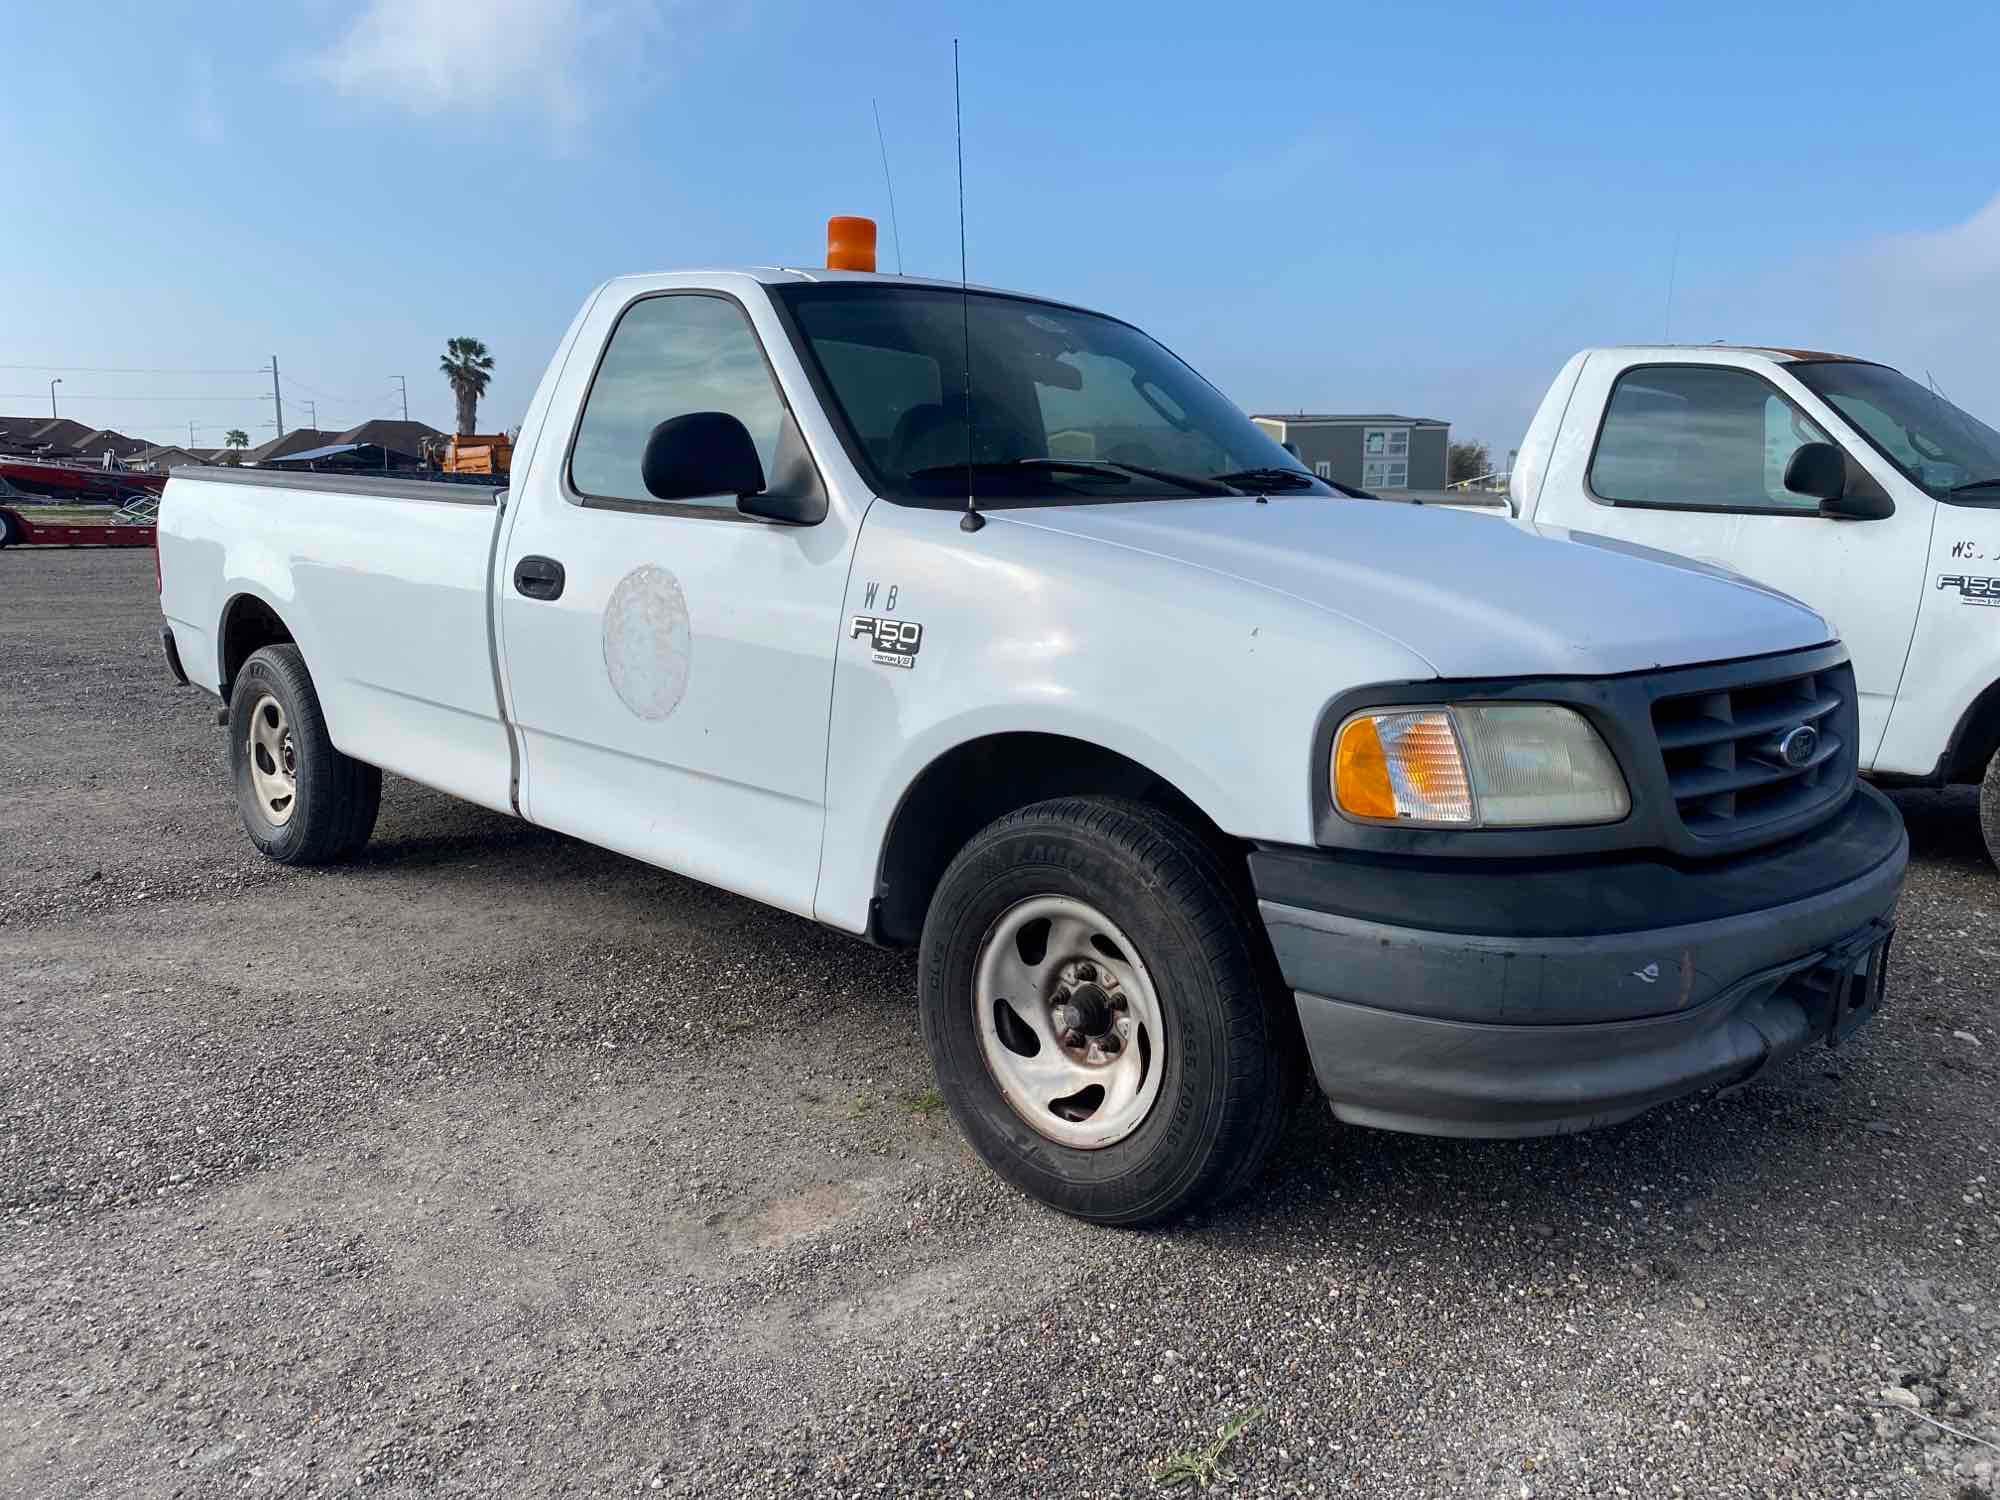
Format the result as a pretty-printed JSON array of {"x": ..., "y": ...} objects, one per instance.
[{"x": 496, "y": 1164}]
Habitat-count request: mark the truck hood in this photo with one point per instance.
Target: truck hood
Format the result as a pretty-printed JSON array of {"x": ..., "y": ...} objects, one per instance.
[{"x": 1472, "y": 598}]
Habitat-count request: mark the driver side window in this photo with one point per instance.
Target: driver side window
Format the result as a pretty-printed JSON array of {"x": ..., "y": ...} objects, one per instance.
[
  {"x": 670, "y": 355},
  {"x": 1699, "y": 437}
]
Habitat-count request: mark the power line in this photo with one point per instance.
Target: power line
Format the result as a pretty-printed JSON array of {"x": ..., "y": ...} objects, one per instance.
[
  {"x": 84, "y": 396},
  {"x": 121, "y": 370}
]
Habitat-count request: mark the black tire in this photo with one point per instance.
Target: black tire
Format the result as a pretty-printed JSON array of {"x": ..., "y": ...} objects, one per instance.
[
  {"x": 6, "y": 529},
  {"x": 333, "y": 810},
  {"x": 1989, "y": 808},
  {"x": 1233, "y": 1053}
]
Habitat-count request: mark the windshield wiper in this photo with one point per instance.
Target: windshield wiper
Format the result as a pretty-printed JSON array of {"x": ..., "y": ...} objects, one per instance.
[
  {"x": 1976, "y": 484},
  {"x": 1290, "y": 479},
  {"x": 1095, "y": 467}
]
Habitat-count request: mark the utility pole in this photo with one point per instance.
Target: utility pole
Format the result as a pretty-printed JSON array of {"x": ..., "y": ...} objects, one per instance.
[
  {"x": 406, "y": 394},
  {"x": 312, "y": 414},
  {"x": 190, "y": 436},
  {"x": 277, "y": 397}
]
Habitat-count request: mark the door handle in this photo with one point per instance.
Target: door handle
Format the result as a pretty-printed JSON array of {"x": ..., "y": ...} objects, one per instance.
[{"x": 539, "y": 577}]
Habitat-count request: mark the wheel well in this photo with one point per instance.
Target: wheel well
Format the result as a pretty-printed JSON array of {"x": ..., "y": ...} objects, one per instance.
[
  {"x": 972, "y": 784},
  {"x": 1975, "y": 739},
  {"x": 248, "y": 624}
]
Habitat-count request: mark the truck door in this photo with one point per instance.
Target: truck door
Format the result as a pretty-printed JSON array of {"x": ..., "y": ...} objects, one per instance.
[
  {"x": 1690, "y": 457},
  {"x": 669, "y": 665}
]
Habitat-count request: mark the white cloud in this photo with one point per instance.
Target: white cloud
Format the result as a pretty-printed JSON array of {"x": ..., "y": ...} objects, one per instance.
[
  {"x": 1925, "y": 301},
  {"x": 1932, "y": 298},
  {"x": 461, "y": 57}
]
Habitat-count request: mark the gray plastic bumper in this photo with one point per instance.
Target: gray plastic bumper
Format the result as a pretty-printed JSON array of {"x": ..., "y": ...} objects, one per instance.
[{"x": 1454, "y": 1033}]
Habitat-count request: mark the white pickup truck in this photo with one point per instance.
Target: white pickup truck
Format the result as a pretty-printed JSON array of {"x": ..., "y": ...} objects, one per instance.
[
  {"x": 1843, "y": 483},
  {"x": 1180, "y": 770}
]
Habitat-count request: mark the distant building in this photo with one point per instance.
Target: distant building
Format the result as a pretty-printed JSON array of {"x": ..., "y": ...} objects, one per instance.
[
  {"x": 54, "y": 436},
  {"x": 1375, "y": 450},
  {"x": 95, "y": 444},
  {"x": 165, "y": 456},
  {"x": 298, "y": 440},
  {"x": 403, "y": 440}
]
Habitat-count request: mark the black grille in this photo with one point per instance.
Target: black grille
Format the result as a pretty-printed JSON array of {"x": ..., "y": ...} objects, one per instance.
[{"x": 1721, "y": 749}]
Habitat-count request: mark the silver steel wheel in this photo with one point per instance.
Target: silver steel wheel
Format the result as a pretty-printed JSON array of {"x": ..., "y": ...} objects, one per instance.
[
  {"x": 274, "y": 762},
  {"x": 1069, "y": 1023}
]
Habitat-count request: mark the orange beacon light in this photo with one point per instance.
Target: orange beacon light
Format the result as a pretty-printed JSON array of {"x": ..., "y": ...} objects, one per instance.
[{"x": 850, "y": 243}]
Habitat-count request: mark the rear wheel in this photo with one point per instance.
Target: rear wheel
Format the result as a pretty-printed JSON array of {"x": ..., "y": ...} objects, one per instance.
[
  {"x": 1100, "y": 1013},
  {"x": 1989, "y": 808},
  {"x": 7, "y": 537},
  {"x": 302, "y": 801}
]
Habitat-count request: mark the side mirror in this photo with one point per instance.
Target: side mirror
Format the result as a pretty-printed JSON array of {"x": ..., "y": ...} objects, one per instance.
[
  {"x": 1818, "y": 470},
  {"x": 702, "y": 453},
  {"x": 1846, "y": 492}
]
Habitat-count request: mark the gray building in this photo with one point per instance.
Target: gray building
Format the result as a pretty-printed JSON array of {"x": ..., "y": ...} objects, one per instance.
[{"x": 1374, "y": 450}]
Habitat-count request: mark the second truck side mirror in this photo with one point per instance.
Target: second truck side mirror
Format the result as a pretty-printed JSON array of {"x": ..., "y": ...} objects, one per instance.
[
  {"x": 1821, "y": 471},
  {"x": 701, "y": 453}
]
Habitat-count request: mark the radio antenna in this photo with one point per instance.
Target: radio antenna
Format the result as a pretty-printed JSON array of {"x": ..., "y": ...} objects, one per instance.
[
  {"x": 889, "y": 182},
  {"x": 972, "y": 520}
]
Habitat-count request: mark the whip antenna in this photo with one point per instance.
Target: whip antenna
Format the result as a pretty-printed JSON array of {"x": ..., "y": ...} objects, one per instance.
[
  {"x": 972, "y": 519},
  {"x": 895, "y": 226}
]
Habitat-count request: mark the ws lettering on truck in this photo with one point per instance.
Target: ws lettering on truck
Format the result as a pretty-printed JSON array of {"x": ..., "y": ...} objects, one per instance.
[{"x": 1192, "y": 779}]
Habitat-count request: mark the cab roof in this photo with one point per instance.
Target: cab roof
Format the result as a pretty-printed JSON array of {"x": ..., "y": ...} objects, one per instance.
[
  {"x": 796, "y": 275},
  {"x": 1770, "y": 351}
]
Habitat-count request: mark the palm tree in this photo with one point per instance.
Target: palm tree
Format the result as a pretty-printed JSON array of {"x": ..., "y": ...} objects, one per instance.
[
  {"x": 235, "y": 440},
  {"x": 467, "y": 368}
]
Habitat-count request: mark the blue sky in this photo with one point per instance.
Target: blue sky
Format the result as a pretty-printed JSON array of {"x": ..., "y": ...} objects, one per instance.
[{"x": 1419, "y": 207}]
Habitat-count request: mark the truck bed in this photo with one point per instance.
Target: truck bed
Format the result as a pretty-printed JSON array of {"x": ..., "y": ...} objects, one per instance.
[{"x": 384, "y": 583}]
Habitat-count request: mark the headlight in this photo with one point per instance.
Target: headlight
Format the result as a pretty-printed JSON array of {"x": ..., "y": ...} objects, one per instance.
[{"x": 1476, "y": 765}]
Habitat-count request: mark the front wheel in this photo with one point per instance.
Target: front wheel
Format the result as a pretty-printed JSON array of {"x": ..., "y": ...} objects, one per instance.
[
  {"x": 1101, "y": 1014},
  {"x": 1989, "y": 808}
]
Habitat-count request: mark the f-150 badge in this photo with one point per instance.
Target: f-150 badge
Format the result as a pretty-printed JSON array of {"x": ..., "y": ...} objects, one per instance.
[
  {"x": 894, "y": 642},
  {"x": 1971, "y": 590}
]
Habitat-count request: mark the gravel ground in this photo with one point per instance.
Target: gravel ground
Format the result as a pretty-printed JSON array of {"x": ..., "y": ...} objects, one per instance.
[{"x": 495, "y": 1163}]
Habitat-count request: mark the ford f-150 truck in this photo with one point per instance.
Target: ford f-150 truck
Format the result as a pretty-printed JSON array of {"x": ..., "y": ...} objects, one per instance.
[
  {"x": 980, "y": 623},
  {"x": 1844, "y": 483}
]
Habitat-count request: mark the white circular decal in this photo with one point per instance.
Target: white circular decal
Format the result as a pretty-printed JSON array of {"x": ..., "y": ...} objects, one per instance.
[{"x": 647, "y": 641}]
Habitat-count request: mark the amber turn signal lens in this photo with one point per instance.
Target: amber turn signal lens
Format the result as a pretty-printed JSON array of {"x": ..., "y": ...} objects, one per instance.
[
  {"x": 1402, "y": 764},
  {"x": 1361, "y": 772},
  {"x": 850, "y": 243}
]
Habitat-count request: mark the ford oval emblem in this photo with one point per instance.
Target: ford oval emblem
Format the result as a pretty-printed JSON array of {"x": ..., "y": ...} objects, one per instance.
[{"x": 1798, "y": 745}]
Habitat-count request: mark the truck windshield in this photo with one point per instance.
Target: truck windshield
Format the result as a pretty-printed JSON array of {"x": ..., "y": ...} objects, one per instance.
[
  {"x": 1949, "y": 452},
  {"x": 1066, "y": 405}
]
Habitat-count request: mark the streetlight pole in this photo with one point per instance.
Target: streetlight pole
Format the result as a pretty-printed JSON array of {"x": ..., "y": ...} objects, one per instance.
[
  {"x": 405, "y": 384},
  {"x": 52, "y": 396}
]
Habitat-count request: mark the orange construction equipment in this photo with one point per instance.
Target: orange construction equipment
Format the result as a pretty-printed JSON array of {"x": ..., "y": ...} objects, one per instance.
[{"x": 479, "y": 453}]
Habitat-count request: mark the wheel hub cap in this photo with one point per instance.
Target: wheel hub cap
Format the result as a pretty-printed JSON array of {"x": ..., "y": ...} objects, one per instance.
[
  {"x": 274, "y": 762},
  {"x": 1069, "y": 1022}
]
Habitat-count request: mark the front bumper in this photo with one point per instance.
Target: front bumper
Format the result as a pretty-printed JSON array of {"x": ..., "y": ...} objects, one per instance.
[{"x": 1510, "y": 1001}]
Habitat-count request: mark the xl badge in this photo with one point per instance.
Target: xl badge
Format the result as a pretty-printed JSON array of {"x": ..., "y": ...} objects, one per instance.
[{"x": 895, "y": 642}]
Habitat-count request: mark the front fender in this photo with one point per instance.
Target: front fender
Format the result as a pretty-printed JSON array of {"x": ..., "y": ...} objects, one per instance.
[{"x": 1213, "y": 685}]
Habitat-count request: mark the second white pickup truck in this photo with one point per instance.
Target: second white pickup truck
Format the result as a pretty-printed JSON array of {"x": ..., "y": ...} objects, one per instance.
[
  {"x": 1181, "y": 771},
  {"x": 1842, "y": 482}
]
